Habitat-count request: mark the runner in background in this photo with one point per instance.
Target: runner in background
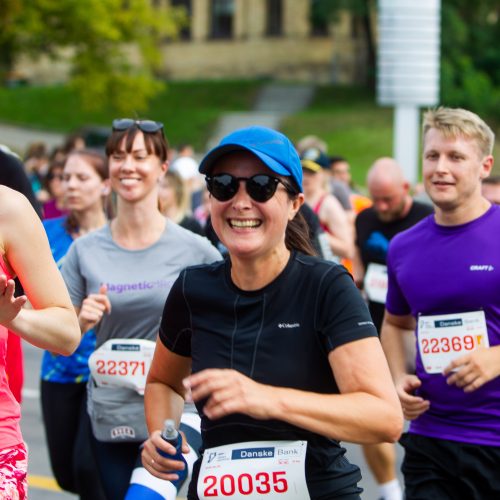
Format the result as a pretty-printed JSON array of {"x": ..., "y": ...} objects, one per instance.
[
  {"x": 393, "y": 211},
  {"x": 275, "y": 344},
  {"x": 340, "y": 171},
  {"x": 64, "y": 379},
  {"x": 333, "y": 219},
  {"x": 118, "y": 278},
  {"x": 175, "y": 202},
  {"x": 444, "y": 278}
]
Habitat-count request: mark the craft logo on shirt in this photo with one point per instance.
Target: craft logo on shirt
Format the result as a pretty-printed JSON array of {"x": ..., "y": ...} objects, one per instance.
[{"x": 483, "y": 267}]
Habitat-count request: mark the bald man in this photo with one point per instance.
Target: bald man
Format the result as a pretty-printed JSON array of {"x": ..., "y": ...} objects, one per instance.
[{"x": 393, "y": 211}]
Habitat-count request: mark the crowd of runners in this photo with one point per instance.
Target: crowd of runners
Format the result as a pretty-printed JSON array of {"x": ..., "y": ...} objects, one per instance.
[{"x": 263, "y": 302}]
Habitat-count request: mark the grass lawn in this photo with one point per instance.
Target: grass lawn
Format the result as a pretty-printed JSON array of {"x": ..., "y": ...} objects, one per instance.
[
  {"x": 350, "y": 122},
  {"x": 347, "y": 118},
  {"x": 189, "y": 110},
  {"x": 353, "y": 125}
]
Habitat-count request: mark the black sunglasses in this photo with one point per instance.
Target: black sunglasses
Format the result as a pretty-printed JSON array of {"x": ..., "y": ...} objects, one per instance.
[
  {"x": 148, "y": 126},
  {"x": 260, "y": 187}
]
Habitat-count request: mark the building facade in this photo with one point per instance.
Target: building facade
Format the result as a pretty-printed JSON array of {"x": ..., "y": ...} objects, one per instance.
[
  {"x": 264, "y": 38},
  {"x": 276, "y": 39}
]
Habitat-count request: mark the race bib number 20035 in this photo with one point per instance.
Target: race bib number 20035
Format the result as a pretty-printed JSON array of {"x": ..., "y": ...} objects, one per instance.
[{"x": 258, "y": 470}]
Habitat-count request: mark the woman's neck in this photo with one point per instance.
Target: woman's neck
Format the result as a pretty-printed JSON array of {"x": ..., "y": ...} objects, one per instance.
[
  {"x": 253, "y": 274},
  {"x": 137, "y": 225},
  {"x": 89, "y": 220}
]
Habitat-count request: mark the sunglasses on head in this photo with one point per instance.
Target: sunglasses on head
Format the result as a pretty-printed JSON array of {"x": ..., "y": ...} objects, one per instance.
[
  {"x": 148, "y": 126},
  {"x": 260, "y": 187}
]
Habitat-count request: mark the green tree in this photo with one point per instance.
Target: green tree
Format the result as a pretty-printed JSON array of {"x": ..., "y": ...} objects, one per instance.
[
  {"x": 470, "y": 62},
  {"x": 114, "y": 44}
]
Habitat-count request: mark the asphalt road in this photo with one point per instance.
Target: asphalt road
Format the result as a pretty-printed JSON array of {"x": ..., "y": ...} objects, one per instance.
[{"x": 42, "y": 485}]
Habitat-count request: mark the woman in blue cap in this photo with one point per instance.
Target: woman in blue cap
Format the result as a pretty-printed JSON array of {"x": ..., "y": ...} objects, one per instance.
[{"x": 276, "y": 345}]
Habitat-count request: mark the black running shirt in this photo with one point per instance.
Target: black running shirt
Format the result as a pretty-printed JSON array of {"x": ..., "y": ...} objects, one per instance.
[{"x": 280, "y": 335}]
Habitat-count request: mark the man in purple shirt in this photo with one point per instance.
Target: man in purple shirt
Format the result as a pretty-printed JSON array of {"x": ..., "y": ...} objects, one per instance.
[{"x": 444, "y": 283}]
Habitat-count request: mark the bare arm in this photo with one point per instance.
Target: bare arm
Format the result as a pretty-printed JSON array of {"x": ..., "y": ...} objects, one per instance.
[
  {"x": 364, "y": 382},
  {"x": 163, "y": 398},
  {"x": 51, "y": 324},
  {"x": 340, "y": 237},
  {"x": 394, "y": 328},
  {"x": 358, "y": 269},
  {"x": 392, "y": 338}
]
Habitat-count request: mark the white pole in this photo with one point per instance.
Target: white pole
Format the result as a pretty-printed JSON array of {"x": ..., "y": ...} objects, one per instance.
[{"x": 406, "y": 140}]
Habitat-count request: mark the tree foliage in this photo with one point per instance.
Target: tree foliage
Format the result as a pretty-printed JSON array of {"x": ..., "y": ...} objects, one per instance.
[
  {"x": 470, "y": 63},
  {"x": 114, "y": 44}
]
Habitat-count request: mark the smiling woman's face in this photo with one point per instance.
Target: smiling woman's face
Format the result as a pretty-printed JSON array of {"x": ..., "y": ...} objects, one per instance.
[
  {"x": 247, "y": 228},
  {"x": 135, "y": 174}
]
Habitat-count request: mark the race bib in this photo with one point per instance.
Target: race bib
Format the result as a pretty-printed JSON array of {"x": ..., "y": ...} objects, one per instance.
[
  {"x": 122, "y": 363},
  {"x": 375, "y": 283},
  {"x": 258, "y": 470},
  {"x": 443, "y": 338}
]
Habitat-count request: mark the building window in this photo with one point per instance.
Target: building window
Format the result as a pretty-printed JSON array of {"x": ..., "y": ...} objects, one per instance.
[
  {"x": 185, "y": 32},
  {"x": 222, "y": 18},
  {"x": 274, "y": 18}
]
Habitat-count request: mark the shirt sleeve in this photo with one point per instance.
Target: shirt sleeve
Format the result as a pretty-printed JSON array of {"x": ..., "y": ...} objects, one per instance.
[
  {"x": 71, "y": 272},
  {"x": 211, "y": 254},
  {"x": 175, "y": 326},
  {"x": 342, "y": 315}
]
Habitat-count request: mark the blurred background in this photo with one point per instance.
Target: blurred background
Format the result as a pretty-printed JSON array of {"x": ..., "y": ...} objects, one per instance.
[
  {"x": 71, "y": 65},
  {"x": 205, "y": 67}
]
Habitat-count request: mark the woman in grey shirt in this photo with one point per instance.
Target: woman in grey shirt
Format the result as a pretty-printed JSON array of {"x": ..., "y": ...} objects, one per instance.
[{"x": 119, "y": 278}]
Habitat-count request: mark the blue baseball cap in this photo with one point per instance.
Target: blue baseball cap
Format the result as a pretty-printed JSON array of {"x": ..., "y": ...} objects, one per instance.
[{"x": 273, "y": 148}]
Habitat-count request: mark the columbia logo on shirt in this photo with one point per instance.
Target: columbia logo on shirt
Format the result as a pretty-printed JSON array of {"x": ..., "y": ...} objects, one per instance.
[
  {"x": 288, "y": 325},
  {"x": 481, "y": 267}
]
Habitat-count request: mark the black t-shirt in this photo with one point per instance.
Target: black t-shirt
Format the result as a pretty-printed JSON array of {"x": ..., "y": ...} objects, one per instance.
[
  {"x": 373, "y": 237},
  {"x": 191, "y": 224},
  {"x": 280, "y": 335}
]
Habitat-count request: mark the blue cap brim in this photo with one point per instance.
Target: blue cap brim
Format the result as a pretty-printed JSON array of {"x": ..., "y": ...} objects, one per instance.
[{"x": 213, "y": 155}]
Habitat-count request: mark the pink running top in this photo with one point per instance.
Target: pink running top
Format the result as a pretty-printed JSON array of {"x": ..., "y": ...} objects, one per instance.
[{"x": 10, "y": 411}]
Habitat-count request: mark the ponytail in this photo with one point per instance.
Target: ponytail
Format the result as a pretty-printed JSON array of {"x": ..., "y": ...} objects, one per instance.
[{"x": 297, "y": 236}]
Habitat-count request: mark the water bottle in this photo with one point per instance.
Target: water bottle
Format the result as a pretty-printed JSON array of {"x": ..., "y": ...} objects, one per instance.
[
  {"x": 145, "y": 486},
  {"x": 171, "y": 435}
]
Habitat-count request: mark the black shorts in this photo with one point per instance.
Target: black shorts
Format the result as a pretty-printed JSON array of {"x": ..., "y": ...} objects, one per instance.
[{"x": 441, "y": 469}]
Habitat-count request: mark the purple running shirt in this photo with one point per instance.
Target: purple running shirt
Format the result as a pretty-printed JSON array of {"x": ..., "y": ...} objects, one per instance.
[{"x": 437, "y": 269}]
